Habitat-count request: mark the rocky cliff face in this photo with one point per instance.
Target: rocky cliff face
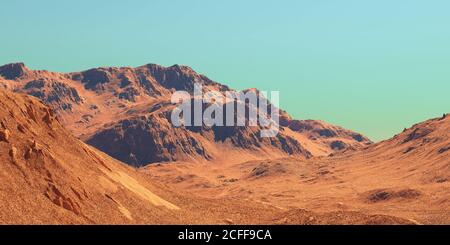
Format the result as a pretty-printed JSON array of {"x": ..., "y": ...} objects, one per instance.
[
  {"x": 59, "y": 95},
  {"x": 13, "y": 71},
  {"x": 146, "y": 139},
  {"x": 152, "y": 138}
]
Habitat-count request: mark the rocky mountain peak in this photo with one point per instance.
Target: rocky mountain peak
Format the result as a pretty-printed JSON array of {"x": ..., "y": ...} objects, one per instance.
[{"x": 13, "y": 71}]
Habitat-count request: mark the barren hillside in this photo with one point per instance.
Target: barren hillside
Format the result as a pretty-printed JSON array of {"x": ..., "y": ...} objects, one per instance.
[{"x": 407, "y": 176}]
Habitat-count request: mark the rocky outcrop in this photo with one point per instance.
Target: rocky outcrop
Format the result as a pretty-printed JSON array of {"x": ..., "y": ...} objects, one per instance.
[
  {"x": 59, "y": 95},
  {"x": 146, "y": 139},
  {"x": 13, "y": 71},
  {"x": 334, "y": 137},
  {"x": 94, "y": 78},
  {"x": 4, "y": 135},
  {"x": 338, "y": 145},
  {"x": 178, "y": 77}
]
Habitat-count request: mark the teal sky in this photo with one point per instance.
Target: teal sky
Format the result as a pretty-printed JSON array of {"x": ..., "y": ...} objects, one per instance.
[{"x": 370, "y": 66}]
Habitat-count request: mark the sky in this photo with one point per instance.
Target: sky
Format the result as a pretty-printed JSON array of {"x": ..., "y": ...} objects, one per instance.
[{"x": 375, "y": 67}]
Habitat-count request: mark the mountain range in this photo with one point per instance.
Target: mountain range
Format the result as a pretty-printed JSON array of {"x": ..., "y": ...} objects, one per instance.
[
  {"x": 125, "y": 112},
  {"x": 98, "y": 146}
]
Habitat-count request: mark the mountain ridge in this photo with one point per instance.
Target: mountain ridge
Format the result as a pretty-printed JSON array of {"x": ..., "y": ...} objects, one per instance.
[{"x": 94, "y": 105}]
